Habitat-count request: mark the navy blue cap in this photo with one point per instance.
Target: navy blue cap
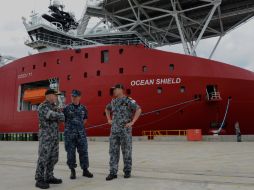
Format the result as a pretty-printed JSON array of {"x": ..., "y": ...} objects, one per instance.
[
  {"x": 120, "y": 86},
  {"x": 75, "y": 93}
]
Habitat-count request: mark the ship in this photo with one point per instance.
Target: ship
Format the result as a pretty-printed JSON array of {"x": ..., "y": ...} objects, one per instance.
[{"x": 176, "y": 91}]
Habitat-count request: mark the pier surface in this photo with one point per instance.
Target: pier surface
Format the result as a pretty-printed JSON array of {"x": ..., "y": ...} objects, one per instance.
[{"x": 156, "y": 166}]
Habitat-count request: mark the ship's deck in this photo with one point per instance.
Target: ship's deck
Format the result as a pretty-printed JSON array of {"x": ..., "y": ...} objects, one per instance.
[{"x": 157, "y": 165}]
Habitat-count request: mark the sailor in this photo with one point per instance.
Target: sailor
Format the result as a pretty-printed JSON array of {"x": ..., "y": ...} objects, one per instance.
[
  {"x": 49, "y": 119},
  {"x": 75, "y": 135},
  {"x": 238, "y": 132},
  {"x": 125, "y": 112}
]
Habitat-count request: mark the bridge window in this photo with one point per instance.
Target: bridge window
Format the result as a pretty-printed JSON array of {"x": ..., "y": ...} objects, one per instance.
[
  {"x": 121, "y": 70},
  {"x": 104, "y": 56},
  {"x": 159, "y": 90},
  {"x": 171, "y": 67},
  {"x": 98, "y": 73}
]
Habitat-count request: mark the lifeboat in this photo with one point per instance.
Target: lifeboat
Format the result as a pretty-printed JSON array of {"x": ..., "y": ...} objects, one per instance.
[{"x": 34, "y": 96}]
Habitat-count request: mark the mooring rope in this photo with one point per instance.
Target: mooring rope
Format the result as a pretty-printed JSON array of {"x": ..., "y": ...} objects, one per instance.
[{"x": 151, "y": 112}]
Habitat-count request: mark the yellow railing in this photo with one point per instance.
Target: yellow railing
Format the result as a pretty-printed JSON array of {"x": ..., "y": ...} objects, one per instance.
[{"x": 152, "y": 133}]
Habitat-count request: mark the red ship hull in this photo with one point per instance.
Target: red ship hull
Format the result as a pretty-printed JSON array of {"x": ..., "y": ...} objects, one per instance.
[{"x": 143, "y": 72}]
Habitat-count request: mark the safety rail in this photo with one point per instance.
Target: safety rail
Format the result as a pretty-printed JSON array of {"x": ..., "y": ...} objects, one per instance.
[
  {"x": 214, "y": 96},
  {"x": 58, "y": 41},
  {"x": 152, "y": 133},
  {"x": 42, "y": 38},
  {"x": 23, "y": 136}
]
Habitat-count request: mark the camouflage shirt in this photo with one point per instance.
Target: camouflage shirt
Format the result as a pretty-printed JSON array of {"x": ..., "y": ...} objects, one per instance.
[
  {"x": 75, "y": 116},
  {"x": 49, "y": 117},
  {"x": 122, "y": 111}
]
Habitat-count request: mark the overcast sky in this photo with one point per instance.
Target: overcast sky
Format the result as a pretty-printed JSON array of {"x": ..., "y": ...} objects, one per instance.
[{"x": 236, "y": 48}]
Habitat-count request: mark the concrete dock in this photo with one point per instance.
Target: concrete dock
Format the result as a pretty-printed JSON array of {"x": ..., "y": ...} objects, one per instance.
[{"x": 156, "y": 165}]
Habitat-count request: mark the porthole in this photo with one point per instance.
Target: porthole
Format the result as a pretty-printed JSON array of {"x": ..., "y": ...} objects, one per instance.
[
  {"x": 85, "y": 74},
  {"x": 182, "y": 89},
  {"x": 159, "y": 90},
  {"x": 120, "y": 51},
  {"x": 86, "y": 55},
  {"x": 145, "y": 69},
  {"x": 111, "y": 91},
  {"x": 99, "y": 93},
  {"x": 34, "y": 66},
  {"x": 171, "y": 67},
  {"x": 121, "y": 70},
  {"x": 45, "y": 64},
  {"x": 98, "y": 73},
  {"x": 71, "y": 58},
  {"x": 78, "y": 50},
  {"x": 68, "y": 77},
  {"x": 104, "y": 56},
  {"x": 58, "y": 61},
  {"x": 128, "y": 91},
  {"x": 23, "y": 69}
]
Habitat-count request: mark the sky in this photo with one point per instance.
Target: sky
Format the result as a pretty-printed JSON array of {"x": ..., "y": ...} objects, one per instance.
[{"x": 236, "y": 47}]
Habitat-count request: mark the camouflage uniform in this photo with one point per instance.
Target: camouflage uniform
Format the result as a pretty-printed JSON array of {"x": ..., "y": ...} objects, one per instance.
[
  {"x": 122, "y": 112},
  {"x": 49, "y": 119},
  {"x": 75, "y": 135}
]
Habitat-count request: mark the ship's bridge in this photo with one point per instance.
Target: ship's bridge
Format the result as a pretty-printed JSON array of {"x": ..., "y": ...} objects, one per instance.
[{"x": 167, "y": 22}]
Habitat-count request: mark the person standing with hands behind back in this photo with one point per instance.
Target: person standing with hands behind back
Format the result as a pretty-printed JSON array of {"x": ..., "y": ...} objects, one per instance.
[
  {"x": 76, "y": 116},
  {"x": 125, "y": 112}
]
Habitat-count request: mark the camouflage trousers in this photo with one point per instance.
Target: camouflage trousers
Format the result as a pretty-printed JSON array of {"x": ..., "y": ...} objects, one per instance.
[
  {"x": 121, "y": 139},
  {"x": 73, "y": 142},
  {"x": 47, "y": 155}
]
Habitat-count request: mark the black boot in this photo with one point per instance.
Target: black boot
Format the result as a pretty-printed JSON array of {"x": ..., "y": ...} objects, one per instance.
[
  {"x": 73, "y": 174},
  {"x": 127, "y": 174},
  {"x": 88, "y": 174},
  {"x": 111, "y": 177},
  {"x": 41, "y": 184},
  {"x": 54, "y": 180}
]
